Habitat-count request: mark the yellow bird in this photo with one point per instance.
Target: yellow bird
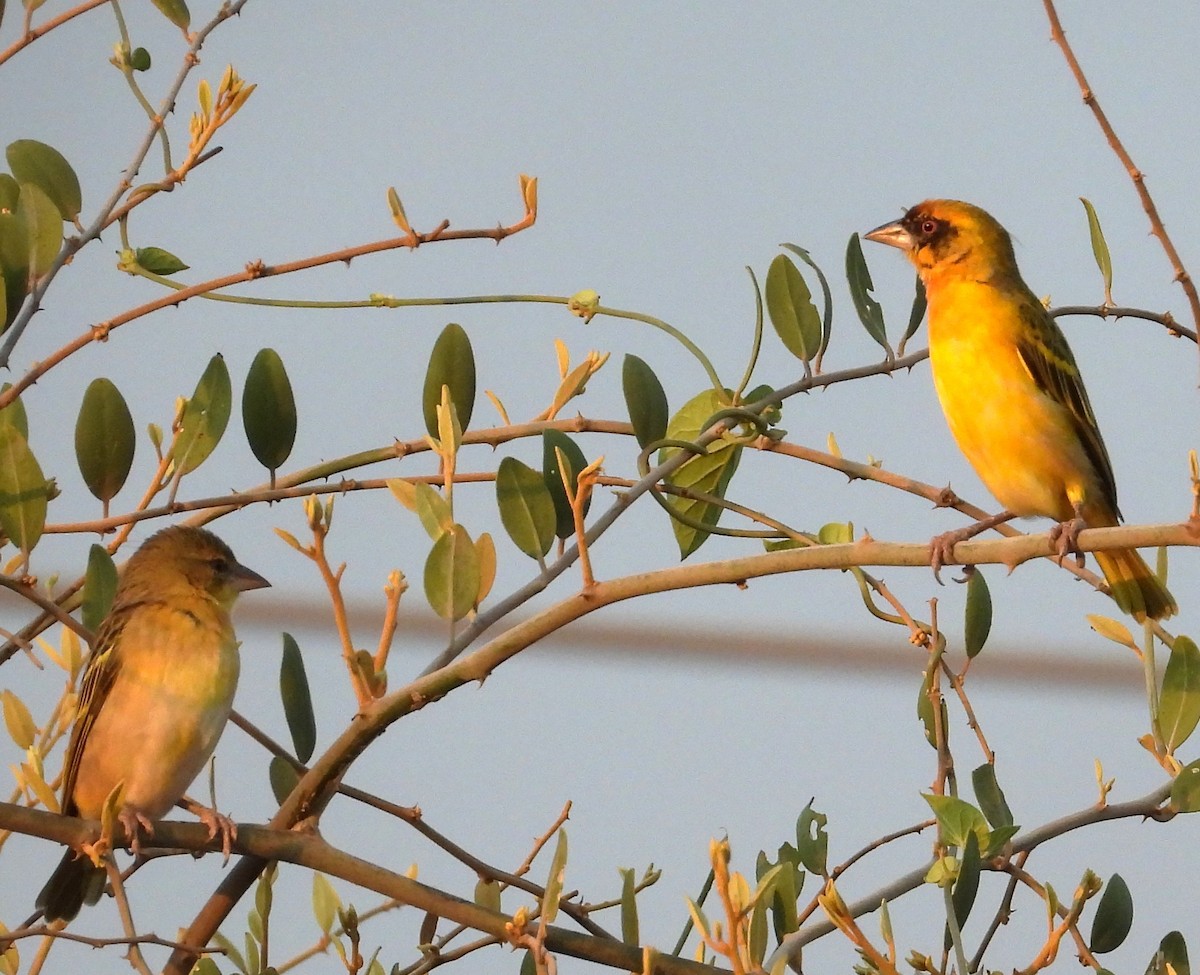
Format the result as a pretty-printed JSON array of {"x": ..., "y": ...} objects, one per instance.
[
  {"x": 156, "y": 694},
  {"x": 1012, "y": 393}
]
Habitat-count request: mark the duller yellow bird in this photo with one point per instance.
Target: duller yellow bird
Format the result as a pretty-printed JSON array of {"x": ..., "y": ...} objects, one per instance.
[
  {"x": 156, "y": 693},
  {"x": 1012, "y": 393}
]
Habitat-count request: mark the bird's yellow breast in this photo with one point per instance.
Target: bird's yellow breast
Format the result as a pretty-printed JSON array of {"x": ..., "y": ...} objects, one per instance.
[{"x": 1020, "y": 441}]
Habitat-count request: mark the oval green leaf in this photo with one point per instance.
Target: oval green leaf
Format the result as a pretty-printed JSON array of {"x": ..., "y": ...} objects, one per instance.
[
  {"x": 526, "y": 507},
  {"x": 1099, "y": 248},
  {"x": 433, "y": 510},
  {"x": 791, "y": 309},
  {"x": 204, "y": 417},
  {"x": 859, "y": 277},
  {"x": 176, "y": 11},
  {"x": 46, "y": 167},
  {"x": 709, "y": 473},
  {"x": 104, "y": 439},
  {"x": 10, "y": 192},
  {"x": 487, "y": 894},
  {"x": 14, "y": 414},
  {"x": 826, "y": 294},
  {"x": 269, "y": 410},
  {"x": 14, "y": 262},
  {"x": 1172, "y": 950},
  {"x": 452, "y": 574},
  {"x": 297, "y": 699},
  {"x": 564, "y": 520},
  {"x": 99, "y": 587},
  {"x": 1179, "y": 702},
  {"x": 23, "y": 490},
  {"x": 158, "y": 261},
  {"x": 1114, "y": 917},
  {"x": 18, "y": 720},
  {"x": 1185, "y": 789},
  {"x": 452, "y": 364},
  {"x": 139, "y": 59},
  {"x": 966, "y": 886},
  {"x": 978, "y": 623},
  {"x": 990, "y": 796},
  {"x": 283, "y": 778},
  {"x": 43, "y": 224},
  {"x": 645, "y": 400}
]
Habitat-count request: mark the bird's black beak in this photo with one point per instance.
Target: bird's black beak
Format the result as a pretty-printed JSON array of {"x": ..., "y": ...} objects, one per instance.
[{"x": 894, "y": 234}]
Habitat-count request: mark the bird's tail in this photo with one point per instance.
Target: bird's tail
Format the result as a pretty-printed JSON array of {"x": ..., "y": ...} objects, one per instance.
[
  {"x": 76, "y": 881},
  {"x": 1135, "y": 588}
]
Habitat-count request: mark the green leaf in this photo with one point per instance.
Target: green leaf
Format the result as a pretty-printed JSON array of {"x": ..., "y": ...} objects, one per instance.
[
  {"x": 158, "y": 261},
  {"x": 966, "y": 886},
  {"x": 326, "y": 903},
  {"x": 14, "y": 262},
  {"x": 925, "y": 711},
  {"x": 978, "y": 622},
  {"x": 1185, "y": 789},
  {"x": 836, "y": 533},
  {"x": 1172, "y": 950},
  {"x": 433, "y": 510},
  {"x": 859, "y": 277},
  {"x": 10, "y": 191},
  {"x": 48, "y": 169},
  {"x": 554, "y": 879},
  {"x": 487, "y": 894},
  {"x": 552, "y": 439},
  {"x": 1114, "y": 917},
  {"x": 710, "y": 473},
  {"x": 915, "y": 317},
  {"x": 99, "y": 587},
  {"x": 23, "y": 490},
  {"x": 957, "y": 820},
  {"x": 139, "y": 59},
  {"x": 1099, "y": 248},
  {"x": 176, "y": 11},
  {"x": 204, "y": 417},
  {"x": 452, "y": 574},
  {"x": 758, "y": 934},
  {"x": 629, "y": 911},
  {"x": 44, "y": 226},
  {"x": 451, "y": 363},
  {"x": 1179, "y": 702},
  {"x": 297, "y": 699},
  {"x": 269, "y": 411},
  {"x": 283, "y": 778},
  {"x": 105, "y": 439},
  {"x": 14, "y": 414},
  {"x": 989, "y": 795},
  {"x": 791, "y": 309},
  {"x": 827, "y": 296},
  {"x": 526, "y": 507},
  {"x": 645, "y": 400},
  {"x": 529, "y": 964},
  {"x": 812, "y": 841}
]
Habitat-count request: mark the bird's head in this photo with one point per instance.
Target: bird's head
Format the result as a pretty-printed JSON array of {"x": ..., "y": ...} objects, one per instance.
[
  {"x": 949, "y": 238},
  {"x": 184, "y": 558}
]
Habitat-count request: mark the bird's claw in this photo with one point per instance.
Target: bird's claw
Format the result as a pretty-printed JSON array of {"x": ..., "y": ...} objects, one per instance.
[
  {"x": 1065, "y": 538},
  {"x": 135, "y": 822},
  {"x": 218, "y": 822}
]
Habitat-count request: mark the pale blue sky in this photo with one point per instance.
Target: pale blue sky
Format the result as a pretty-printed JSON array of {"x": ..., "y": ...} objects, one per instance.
[{"x": 675, "y": 144}]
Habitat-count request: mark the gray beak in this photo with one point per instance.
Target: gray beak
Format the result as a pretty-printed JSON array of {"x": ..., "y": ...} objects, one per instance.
[{"x": 892, "y": 234}]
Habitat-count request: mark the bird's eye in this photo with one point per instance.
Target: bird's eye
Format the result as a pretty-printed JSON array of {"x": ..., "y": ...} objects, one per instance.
[
  {"x": 928, "y": 226},
  {"x": 220, "y": 565}
]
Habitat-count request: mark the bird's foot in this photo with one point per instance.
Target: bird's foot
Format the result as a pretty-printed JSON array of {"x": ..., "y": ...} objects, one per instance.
[
  {"x": 1065, "y": 538},
  {"x": 135, "y": 822},
  {"x": 941, "y": 547},
  {"x": 217, "y": 822}
]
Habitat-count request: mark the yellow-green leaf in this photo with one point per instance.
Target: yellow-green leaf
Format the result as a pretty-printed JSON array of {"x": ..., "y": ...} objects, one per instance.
[
  {"x": 485, "y": 551},
  {"x": 23, "y": 490},
  {"x": 433, "y": 510},
  {"x": 452, "y": 574},
  {"x": 1179, "y": 702},
  {"x": 43, "y": 224},
  {"x": 204, "y": 417},
  {"x": 1112, "y": 629},
  {"x": 18, "y": 720},
  {"x": 14, "y": 413},
  {"x": 1185, "y": 789},
  {"x": 104, "y": 439},
  {"x": 46, "y": 167},
  {"x": 176, "y": 11},
  {"x": 326, "y": 903},
  {"x": 14, "y": 262},
  {"x": 1099, "y": 248},
  {"x": 526, "y": 507},
  {"x": 159, "y": 261},
  {"x": 297, "y": 699},
  {"x": 451, "y": 364},
  {"x": 791, "y": 309},
  {"x": 629, "y": 911},
  {"x": 709, "y": 473},
  {"x": 957, "y": 819},
  {"x": 487, "y": 894},
  {"x": 554, "y": 880}
]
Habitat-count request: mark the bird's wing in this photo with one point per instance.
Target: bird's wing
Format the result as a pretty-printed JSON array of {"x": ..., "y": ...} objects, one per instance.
[
  {"x": 1044, "y": 350},
  {"x": 102, "y": 667}
]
